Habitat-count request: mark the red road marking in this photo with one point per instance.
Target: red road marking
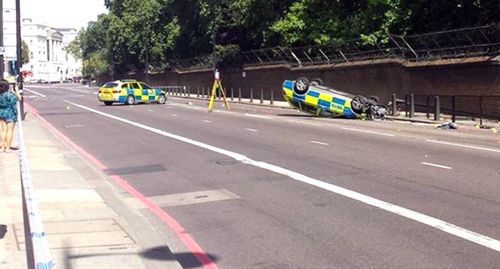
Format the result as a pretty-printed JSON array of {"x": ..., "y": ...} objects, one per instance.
[{"x": 188, "y": 241}]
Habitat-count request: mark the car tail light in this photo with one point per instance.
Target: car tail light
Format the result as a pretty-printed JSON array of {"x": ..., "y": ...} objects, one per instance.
[
  {"x": 100, "y": 91},
  {"x": 117, "y": 91}
]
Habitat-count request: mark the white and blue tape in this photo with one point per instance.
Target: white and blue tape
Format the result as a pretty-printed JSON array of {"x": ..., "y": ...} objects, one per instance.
[{"x": 41, "y": 251}]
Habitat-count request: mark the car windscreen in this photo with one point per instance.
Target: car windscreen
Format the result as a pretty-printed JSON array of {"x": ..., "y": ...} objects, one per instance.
[{"x": 110, "y": 85}]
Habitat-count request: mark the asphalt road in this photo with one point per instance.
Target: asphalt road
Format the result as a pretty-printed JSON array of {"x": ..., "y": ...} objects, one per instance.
[{"x": 262, "y": 187}]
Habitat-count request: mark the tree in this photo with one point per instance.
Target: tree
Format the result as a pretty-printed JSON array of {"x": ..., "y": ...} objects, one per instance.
[
  {"x": 25, "y": 53},
  {"x": 140, "y": 34}
]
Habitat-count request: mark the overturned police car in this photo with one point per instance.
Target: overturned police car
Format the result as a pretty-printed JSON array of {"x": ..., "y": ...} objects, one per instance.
[{"x": 312, "y": 97}]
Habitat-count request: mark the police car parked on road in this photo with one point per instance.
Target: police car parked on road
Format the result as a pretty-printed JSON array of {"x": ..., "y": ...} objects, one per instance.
[{"x": 130, "y": 92}]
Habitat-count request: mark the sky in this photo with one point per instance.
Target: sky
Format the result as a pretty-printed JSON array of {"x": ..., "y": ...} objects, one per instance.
[{"x": 61, "y": 13}]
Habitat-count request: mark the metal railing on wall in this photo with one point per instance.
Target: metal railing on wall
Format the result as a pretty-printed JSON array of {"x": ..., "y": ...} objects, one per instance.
[
  {"x": 458, "y": 43},
  {"x": 243, "y": 95},
  {"x": 471, "y": 106}
]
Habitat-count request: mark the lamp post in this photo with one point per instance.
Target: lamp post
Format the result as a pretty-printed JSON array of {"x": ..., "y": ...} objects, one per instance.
[
  {"x": 2, "y": 66},
  {"x": 19, "y": 53}
]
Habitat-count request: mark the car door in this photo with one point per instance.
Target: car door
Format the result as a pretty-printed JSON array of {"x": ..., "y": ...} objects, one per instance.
[
  {"x": 137, "y": 91},
  {"x": 150, "y": 92}
]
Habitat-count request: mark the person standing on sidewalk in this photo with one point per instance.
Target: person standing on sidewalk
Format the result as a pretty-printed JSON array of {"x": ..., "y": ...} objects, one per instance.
[{"x": 8, "y": 114}]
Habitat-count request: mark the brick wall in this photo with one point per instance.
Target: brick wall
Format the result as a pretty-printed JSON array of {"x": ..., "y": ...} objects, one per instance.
[{"x": 380, "y": 79}]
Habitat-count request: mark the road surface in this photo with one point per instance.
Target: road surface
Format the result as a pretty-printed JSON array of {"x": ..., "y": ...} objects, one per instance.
[{"x": 260, "y": 187}]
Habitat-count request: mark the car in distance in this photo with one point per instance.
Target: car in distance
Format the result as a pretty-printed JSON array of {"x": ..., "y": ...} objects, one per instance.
[
  {"x": 130, "y": 92},
  {"x": 314, "y": 98}
]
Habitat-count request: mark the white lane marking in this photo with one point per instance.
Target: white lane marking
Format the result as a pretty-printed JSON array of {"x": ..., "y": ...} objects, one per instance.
[
  {"x": 367, "y": 132},
  {"x": 304, "y": 122},
  {"x": 257, "y": 116},
  {"x": 436, "y": 165},
  {"x": 463, "y": 145},
  {"x": 35, "y": 92},
  {"x": 398, "y": 210},
  {"x": 251, "y": 130},
  {"x": 173, "y": 115},
  {"x": 319, "y": 143},
  {"x": 207, "y": 121}
]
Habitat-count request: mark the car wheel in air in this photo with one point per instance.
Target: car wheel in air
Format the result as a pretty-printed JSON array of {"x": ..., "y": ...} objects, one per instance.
[
  {"x": 375, "y": 99},
  {"x": 108, "y": 103},
  {"x": 130, "y": 100},
  {"x": 301, "y": 86},
  {"x": 316, "y": 82},
  {"x": 357, "y": 104},
  {"x": 162, "y": 99}
]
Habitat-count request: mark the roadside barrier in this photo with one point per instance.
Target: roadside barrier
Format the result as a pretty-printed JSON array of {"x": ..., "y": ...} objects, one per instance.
[
  {"x": 474, "y": 106},
  {"x": 37, "y": 247}
]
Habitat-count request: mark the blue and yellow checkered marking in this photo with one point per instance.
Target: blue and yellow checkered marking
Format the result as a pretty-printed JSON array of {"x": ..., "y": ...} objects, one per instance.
[
  {"x": 324, "y": 104},
  {"x": 299, "y": 97},
  {"x": 338, "y": 101},
  {"x": 323, "y": 100},
  {"x": 313, "y": 94},
  {"x": 140, "y": 95}
]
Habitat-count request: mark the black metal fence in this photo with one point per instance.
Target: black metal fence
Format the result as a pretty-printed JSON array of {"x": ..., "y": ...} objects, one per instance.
[
  {"x": 459, "y": 43},
  {"x": 470, "y": 106}
]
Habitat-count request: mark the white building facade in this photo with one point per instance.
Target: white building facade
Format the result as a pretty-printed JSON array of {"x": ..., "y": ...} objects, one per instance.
[
  {"x": 49, "y": 61},
  {"x": 9, "y": 37}
]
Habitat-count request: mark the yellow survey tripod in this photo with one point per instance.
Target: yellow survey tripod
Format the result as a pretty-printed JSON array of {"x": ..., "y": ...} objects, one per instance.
[{"x": 217, "y": 85}]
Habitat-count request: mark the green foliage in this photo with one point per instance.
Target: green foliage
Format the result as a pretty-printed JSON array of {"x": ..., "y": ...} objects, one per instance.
[
  {"x": 25, "y": 55},
  {"x": 95, "y": 64},
  {"x": 140, "y": 34}
]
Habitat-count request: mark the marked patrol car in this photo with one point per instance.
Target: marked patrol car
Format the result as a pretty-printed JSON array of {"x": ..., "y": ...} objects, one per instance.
[
  {"x": 130, "y": 92},
  {"x": 312, "y": 97}
]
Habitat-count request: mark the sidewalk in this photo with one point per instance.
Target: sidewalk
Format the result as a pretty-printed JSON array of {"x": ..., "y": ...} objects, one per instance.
[{"x": 86, "y": 221}]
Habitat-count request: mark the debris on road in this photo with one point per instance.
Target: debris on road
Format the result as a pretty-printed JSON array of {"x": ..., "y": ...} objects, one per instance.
[{"x": 448, "y": 125}]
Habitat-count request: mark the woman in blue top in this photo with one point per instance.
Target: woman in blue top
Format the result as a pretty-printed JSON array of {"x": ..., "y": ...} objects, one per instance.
[{"x": 8, "y": 114}]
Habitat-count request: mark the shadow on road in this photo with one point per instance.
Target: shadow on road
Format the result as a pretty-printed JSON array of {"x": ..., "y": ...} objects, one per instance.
[
  {"x": 186, "y": 259},
  {"x": 162, "y": 253}
]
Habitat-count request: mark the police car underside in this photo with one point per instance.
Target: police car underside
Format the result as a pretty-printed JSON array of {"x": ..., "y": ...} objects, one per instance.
[{"x": 314, "y": 98}]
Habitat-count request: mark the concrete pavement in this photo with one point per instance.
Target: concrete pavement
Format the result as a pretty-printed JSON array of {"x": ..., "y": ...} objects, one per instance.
[{"x": 86, "y": 221}]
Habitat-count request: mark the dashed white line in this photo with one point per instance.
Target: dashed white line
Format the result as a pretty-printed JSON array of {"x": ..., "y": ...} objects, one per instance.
[
  {"x": 367, "y": 132},
  {"x": 37, "y": 93},
  {"x": 173, "y": 115},
  {"x": 304, "y": 122},
  {"x": 206, "y": 121},
  {"x": 462, "y": 145},
  {"x": 251, "y": 130},
  {"x": 438, "y": 224},
  {"x": 436, "y": 165},
  {"x": 257, "y": 116},
  {"x": 319, "y": 143}
]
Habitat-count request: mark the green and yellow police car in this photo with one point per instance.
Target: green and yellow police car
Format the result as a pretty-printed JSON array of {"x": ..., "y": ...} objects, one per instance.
[
  {"x": 129, "y": 92},
  {"x": 312, "y": 97}
]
